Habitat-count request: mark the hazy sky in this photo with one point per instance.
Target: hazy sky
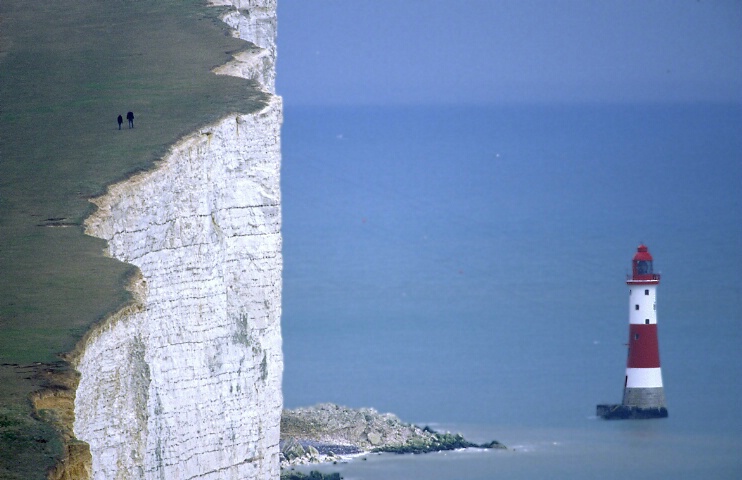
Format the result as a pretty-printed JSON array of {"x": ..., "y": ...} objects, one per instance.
[{"x": 493, "y": 51}]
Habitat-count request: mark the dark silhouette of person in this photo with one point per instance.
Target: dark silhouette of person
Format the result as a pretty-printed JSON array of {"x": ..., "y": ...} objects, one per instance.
[
  {"x": 121, "y": 120},
  {"x": 130, "y": 118}
]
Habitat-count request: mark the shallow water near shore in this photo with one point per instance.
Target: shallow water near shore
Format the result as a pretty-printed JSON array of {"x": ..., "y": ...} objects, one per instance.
[
  {"x": 465, "y": 269},
  {"x": 640, "y": 453}
]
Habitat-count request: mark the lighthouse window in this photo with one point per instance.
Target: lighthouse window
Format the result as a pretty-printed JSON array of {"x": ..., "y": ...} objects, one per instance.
[
  {"x": 636, "y": 307},
  {"x": 636, "y": 336},
  {"x": 646, "y": 292},
  {"x": 643, "y": 267},
  {"x": 646, "y": 321}
]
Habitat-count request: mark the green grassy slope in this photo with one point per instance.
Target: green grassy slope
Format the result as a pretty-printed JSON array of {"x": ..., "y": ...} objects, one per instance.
[{"x": 67, "y": 69}]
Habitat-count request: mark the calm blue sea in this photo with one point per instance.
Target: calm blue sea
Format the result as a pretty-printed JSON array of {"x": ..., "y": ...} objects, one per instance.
[{"x": 465, "y": 268}]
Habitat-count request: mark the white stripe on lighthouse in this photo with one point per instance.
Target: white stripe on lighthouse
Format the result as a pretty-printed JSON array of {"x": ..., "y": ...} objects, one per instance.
[
  {"x": 643, "y": 377},
  {"x": 643, "y": 304}
]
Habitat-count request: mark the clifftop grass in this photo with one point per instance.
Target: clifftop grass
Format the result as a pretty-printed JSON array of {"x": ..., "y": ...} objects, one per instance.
[{"x": 68, "y": 68}]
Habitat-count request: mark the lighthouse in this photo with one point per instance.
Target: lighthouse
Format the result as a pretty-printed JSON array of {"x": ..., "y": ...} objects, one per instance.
[{"x": 643, "y": 393}]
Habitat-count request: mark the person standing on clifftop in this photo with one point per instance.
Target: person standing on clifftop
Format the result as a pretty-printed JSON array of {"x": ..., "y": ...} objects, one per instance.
[
  {"x": 130, "y": 118},
  {"x": 120, "y": 120}
]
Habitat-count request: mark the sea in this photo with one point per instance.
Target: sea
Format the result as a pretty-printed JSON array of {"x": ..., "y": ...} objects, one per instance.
[{"x": 464, "y": 268}]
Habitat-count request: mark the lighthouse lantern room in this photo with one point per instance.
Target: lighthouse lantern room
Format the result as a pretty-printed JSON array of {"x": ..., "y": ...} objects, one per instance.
[{"x": 644, "y": 395}]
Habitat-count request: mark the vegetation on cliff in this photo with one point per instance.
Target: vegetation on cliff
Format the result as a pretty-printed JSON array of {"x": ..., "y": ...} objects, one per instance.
[{"x": 313, "y": 475}]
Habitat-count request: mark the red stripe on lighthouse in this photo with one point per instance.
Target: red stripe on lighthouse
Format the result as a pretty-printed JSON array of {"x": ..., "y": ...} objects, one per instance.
[{"x": 644, "y": 351}]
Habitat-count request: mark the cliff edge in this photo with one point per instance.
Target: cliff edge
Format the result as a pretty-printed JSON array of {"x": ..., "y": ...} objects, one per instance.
[{"x": 186, "y": 383}]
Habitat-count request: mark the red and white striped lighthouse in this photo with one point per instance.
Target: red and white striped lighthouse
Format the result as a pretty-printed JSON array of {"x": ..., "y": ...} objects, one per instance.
[{"x": 644, "y": 395}]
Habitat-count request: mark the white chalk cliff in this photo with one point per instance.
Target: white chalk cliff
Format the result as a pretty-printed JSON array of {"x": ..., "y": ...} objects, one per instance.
[{"x": 186, "y": 383}]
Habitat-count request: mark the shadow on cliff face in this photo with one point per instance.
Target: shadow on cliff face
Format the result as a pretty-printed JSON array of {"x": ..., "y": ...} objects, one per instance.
[{"x": 69, "y": 68}]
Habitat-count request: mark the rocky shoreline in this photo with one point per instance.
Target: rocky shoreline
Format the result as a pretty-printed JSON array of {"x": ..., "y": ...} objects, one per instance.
[{"x": 333, "y": 433}]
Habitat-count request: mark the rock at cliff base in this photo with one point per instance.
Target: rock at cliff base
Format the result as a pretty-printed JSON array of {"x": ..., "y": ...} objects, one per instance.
[{"x": 334, "y": 430}]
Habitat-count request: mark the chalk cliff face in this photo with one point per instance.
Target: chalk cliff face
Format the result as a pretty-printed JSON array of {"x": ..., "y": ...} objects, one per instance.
[
  {"x": 254, "y": 21},
  {"x": 186, "y": 383}
]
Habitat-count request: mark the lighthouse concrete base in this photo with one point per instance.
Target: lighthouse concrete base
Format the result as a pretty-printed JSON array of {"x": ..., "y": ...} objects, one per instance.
[{"x": 630, "y": 412}]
